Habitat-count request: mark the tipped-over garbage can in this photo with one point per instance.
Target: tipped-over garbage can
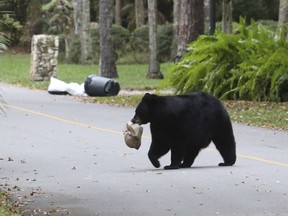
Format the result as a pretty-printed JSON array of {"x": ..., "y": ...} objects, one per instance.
[{"x": 101, "y": 86}]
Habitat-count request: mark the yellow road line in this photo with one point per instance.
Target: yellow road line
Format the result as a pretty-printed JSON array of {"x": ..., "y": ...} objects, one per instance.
[
  {"x": 64, "y": 120},
  {"x": 118, "y": 132},
  {"x": 263, "y": 160},
  {"x": 255, "y": 158}
]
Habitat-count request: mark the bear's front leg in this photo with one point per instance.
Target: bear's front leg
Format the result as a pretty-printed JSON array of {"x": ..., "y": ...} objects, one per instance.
[
  {"x": 156, "y": 151},
  {"x": 153, "y": 160}
]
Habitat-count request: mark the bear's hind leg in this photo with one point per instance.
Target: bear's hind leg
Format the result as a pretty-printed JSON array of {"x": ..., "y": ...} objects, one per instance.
[{"x": 227, "y": 149}]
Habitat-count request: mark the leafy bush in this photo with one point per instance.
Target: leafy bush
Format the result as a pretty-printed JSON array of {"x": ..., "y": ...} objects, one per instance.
[
  {"x": 75, "y": 51},
  {"x": 124, "y": 43},
  {"x": 165, "y": 39},
  {"x": 120, "y": 37},
  {"x": 11, "y": 27},
  {"x": 249, "y": 65},
  {"x": 139, "y": 41}
]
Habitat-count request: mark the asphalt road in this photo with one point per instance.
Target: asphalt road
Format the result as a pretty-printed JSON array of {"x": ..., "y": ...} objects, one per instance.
[{"x": 61, "y": 156}]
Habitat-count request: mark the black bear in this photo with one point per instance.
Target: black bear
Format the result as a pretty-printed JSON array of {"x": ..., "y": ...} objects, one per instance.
[{"x": 185, "y": 124}]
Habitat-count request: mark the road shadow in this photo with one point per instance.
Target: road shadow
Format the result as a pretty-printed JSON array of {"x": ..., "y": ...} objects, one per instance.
[{"x": 161, "y": 169}]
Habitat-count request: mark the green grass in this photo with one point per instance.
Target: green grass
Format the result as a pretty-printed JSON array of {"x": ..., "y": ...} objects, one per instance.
[
  {"x": 6, "y": 207},
  {"x": 264, "y": 114},
  {"x": 15, "y": 70}
]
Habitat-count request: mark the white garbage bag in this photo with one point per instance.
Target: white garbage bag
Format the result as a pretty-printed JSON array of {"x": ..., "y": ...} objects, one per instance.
[{"x": 57, "y": 86}]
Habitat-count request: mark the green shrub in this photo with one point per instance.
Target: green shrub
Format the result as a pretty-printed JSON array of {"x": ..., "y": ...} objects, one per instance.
[
  {"x": 124, "y": 43},
  {"x": 120, "y": 37},
  {"x": 249, "y": 65},
  {"x": 139, "y": 42},
  {"x": 165, "y": 39},
  {"x": 75, "y": 51}
]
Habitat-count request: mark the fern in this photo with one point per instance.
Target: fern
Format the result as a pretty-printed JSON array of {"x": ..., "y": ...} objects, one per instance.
[{"x": 250, "y": 65}]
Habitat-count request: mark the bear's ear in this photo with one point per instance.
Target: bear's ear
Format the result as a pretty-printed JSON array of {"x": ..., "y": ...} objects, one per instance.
[{"x": 149, "y": 98}]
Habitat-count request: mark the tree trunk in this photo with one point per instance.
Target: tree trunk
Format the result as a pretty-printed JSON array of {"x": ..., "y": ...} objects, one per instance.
[
  {"x": 176, "y": 19},
  {"x": 67, "y": 48},
  {"x": 227, "y": 16},
  {"x": 176, "y": 16},
  {"x": 154, "y": 66},
  {"x": 212, "y": 16},
  {"x": 283, "y": 16},
  {"x": 139, "y": 13},
  {"x": 191, "y": 24},
  {"x": 85, "y": 36},
  {"x": 197, "y": 27},
  {"x": 118, "y": 12},
  {"x": 184, "y": 23},
  {"x": 77, "y": 8},
  {"x": 82, "y": 29},
  {"x": 107, "y": 67}
]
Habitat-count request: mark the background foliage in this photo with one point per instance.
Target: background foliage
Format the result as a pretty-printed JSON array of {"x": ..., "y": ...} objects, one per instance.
[
  {"x": 249, "y": 65},
  {"x": 126, "y": 43}
]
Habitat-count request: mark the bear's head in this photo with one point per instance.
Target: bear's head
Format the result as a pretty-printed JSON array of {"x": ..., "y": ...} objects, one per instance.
[{"x": 144, "y": 111}]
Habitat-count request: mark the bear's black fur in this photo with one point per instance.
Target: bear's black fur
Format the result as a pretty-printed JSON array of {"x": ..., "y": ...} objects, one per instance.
[{"x": 185, "y": 124}]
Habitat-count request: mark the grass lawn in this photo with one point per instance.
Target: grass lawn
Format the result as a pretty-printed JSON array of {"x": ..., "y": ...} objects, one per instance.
[
  {"x": 6, "y": 207},
  {"x": 14, "y": 69}
]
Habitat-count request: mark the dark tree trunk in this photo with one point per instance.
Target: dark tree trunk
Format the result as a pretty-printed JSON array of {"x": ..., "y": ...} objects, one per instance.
[
  {"x": 197, "y": 27},
  {"x": 212, "y": 16},
  {"x": 191, "y": 23},
  {"x": 107, "y": 67}
]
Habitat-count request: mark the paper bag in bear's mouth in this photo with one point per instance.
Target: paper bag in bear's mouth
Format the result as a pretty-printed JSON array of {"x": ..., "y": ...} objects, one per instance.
[{"x": 132, "y": 135}]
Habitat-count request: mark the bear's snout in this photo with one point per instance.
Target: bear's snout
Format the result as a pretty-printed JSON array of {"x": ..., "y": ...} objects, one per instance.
[{"x": 136, "y": 120}]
